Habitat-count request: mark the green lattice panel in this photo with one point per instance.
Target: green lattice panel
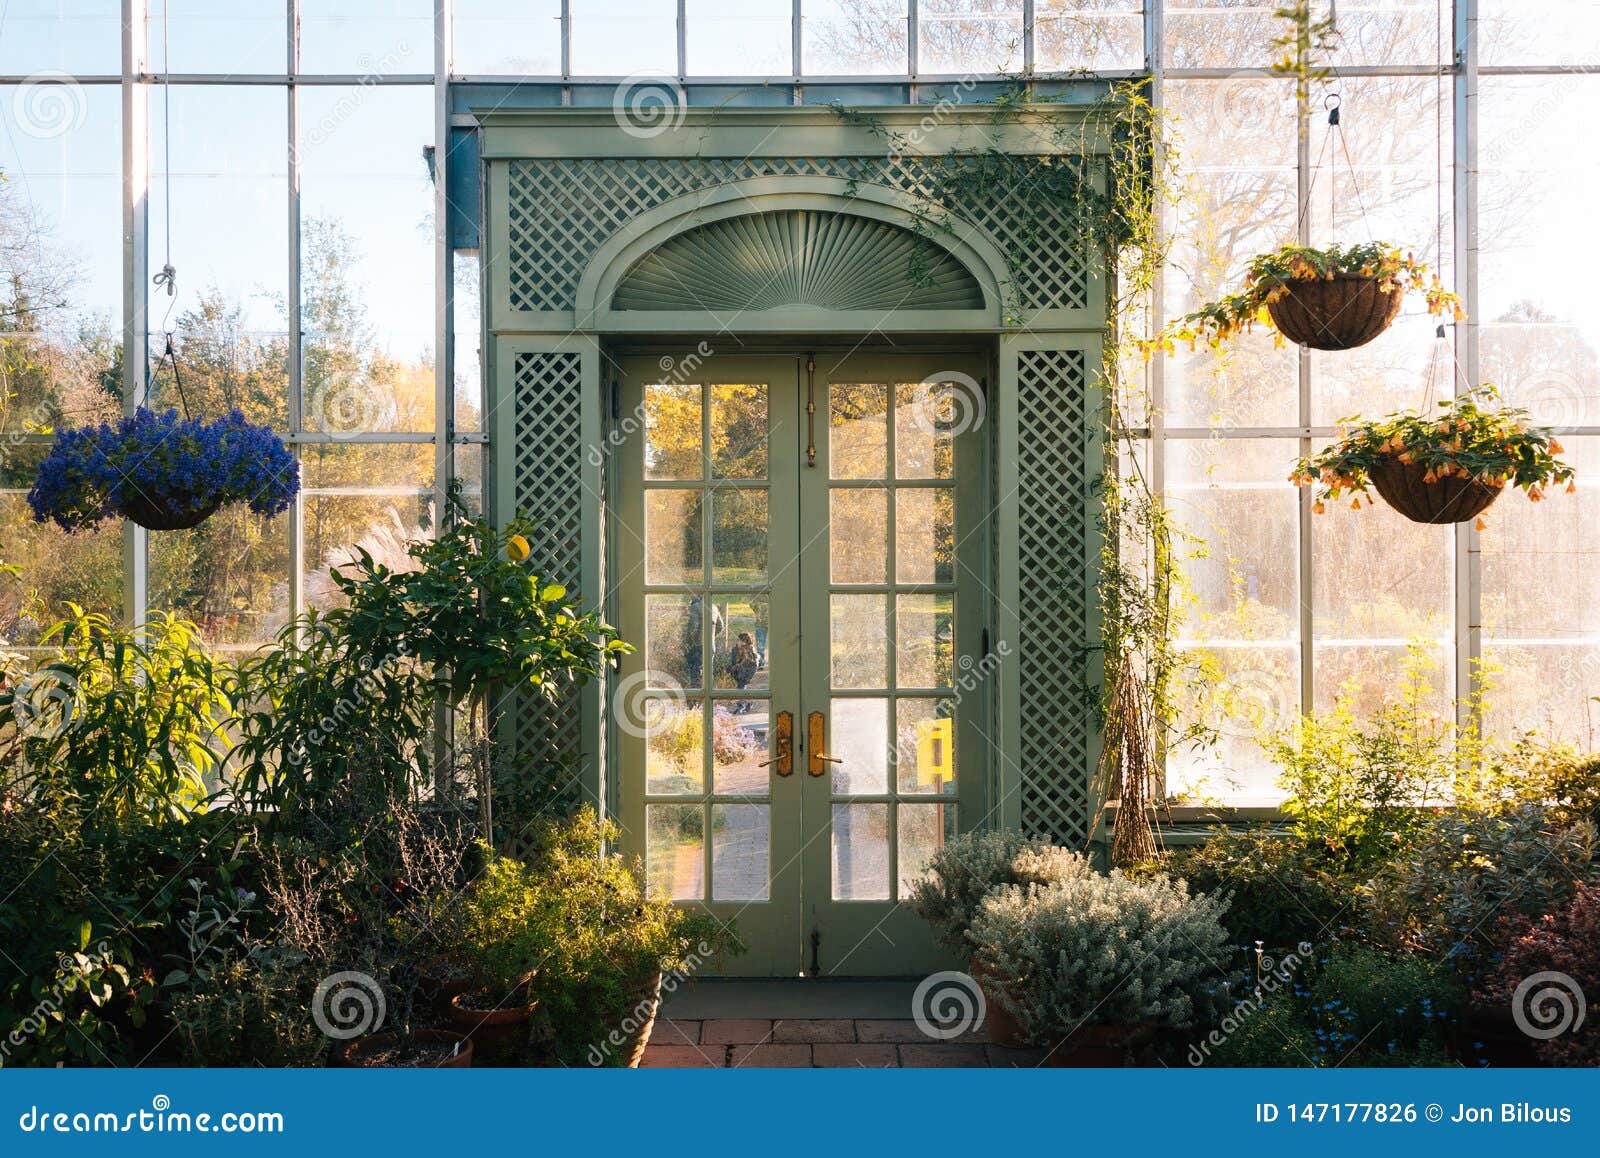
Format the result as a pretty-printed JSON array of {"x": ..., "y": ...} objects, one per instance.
[
  {"x": 562, "y": 211},
  {"x": 1056, "y": 464},
  {"x": 548, "y": 448}
]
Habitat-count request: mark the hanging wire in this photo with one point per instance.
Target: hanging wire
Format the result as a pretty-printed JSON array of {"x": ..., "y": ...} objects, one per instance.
[{"x": 168, "y": 277}]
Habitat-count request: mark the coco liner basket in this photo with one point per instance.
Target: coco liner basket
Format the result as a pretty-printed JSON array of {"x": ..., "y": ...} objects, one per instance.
[
  {"x": 1444, "y": 500},
  {"x": 1337, "y": 313},
  {"x": 176, "y": 514}
]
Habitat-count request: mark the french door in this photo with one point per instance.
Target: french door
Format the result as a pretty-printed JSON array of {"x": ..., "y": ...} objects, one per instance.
[{"x": 799, "y": 550}]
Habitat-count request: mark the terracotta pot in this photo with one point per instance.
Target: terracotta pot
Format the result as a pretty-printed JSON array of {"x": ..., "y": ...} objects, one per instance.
[
  {"x": 1444, "y": 500},
  {"x": 358, "y": 1052},
  {"x": 152, "y": 516},
  {"x": 1340, "y": 313},
  {"x": 643, "y": 1011},
  {"x": 467, "y": 1018},
  {"x": 1100, "y": 1046},
  {"x": 1004, "y": 1029}
]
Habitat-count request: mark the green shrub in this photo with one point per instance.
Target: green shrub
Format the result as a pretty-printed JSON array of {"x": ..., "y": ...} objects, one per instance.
[
  {"x": 967, "y": 869},
  {"x": 1100, "y": 950},
  {"x": 1465, "y": 870},
  {"x": 1281, "y": 890},
  {"x": 254, "y": 1010}
]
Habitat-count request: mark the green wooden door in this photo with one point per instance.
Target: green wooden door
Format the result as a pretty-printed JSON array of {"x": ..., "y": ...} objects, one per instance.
[{"x": 818, "y": 575}]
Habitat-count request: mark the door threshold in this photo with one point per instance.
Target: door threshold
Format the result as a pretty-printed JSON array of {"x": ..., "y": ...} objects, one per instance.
[{"x": 789, "y": 998}]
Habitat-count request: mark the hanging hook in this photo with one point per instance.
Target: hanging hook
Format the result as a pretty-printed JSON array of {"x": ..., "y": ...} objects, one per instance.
[
  {"x": 1331, "y": 102},
  {"x": 167, "y": 279}
]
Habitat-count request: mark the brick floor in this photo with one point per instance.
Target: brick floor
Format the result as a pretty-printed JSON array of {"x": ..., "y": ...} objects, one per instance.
[{"x": 820, "y": 1042}]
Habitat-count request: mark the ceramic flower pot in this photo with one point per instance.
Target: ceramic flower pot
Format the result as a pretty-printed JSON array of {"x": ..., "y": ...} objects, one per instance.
[
  {"x": 1340, "y": 313},
  {"x": 1004, "y": 1029}
]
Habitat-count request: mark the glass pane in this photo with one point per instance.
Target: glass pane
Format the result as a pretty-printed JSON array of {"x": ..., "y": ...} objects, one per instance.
[
  {"x": 83, "y": 36},
  {"x": 925, "y": 755},
  {"x": 739, "y": 636},
  {"x": 366, "y": 37},
  {"x": 848, "y": 38},
  {"x": 672, "y": 537},
  {"x": 739, "y": 536},
  {"x": 675, "y": 842},
  {"x": 85, "y": 567},
  {"x": 965, "y": 36},
  {"x": 672, "y": 431},
  {"x": 624, "y": 37},
  {"x": 468, "y": 368},
  {"x": 228, "y": 201},
  {"x": 739, "y": 37},
  {"x": 739, "y": 431},
  {"x": 673, "y": 641},
  {"x": 229, "y": 575},
  {"x": 859, "y": 739},
  {"x": 860, "y": 641},
  {"x": 858, "y": 528},
  {"x": 924, "y": 640},
  {"x": 922, "y": 830},
  {"x": 1255, "y": 690},
  {"x": 367, "y": 257},
  {"x": 1087, "y": 34},
  {"x": 337, "y": 525},
  {"x": 927, "y": 416},
  {"x": 507, "y": 37},
  {"x": 739, "y": 747},
  {"x": 858, "y": 431},
  {"x": 205, "y": 36},
  {"x": 674, "y": 733},
  {"x": 741, "y": 844},
  {"x": 1546, "y": 687},
  {"x": 925, "y": 535},
  {"x": 861, "y": 852}
]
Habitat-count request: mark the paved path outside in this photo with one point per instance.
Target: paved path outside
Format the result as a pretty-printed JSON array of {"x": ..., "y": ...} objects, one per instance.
[{"x": 732, "y": 1043}]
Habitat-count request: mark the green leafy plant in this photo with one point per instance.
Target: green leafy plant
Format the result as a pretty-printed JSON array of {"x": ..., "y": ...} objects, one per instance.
[
  {"x": 966, "y": 869},
  {"x": 1269, "y": 276},
  {"x": 1282, "y": 890},
  {"x": 1472, "y": 436},
  {"x": 1100, "y": 950},
  {"x": 1304, "y": 44}
]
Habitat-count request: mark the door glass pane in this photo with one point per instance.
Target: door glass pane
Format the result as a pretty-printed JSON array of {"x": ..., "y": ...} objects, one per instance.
[
  {"x": 860, "y": 641},
  {"x": 925, "y": 535},
  {"x": 927, "y": 416},
  {"x": 739, "y": 627},
  {"x": 861, "y": 852},
  {"x": 672, "y": 552},
  {"x": 674, "y": 747},
  {"x": 858, "y": 430},
  {"x": 673, "y": 641},
  {"x": 675, "y": 851},
  {"x": 925, "y": 750},
  {"x": 858, "y": 535},
  {"x": 672, "y": 434},
  {"x": 739, "y": 536},
  {"x": 922, "y": 830},
  {"x": 860, "y": 741},
  {"x": 739, "y": 748},
  {"x": 741, "y": 841},
  {"x": 924, "y": 640},
  {"x": 739, "y": 431}
]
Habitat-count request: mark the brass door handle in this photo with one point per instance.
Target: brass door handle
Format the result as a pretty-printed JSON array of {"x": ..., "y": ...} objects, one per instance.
[
  {"x": 783, "y": 744},
  {"x": 817, "y": 760}
]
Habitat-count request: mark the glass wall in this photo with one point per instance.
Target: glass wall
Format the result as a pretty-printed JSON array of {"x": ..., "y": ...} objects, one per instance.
[{"x": 301, "y": 220}]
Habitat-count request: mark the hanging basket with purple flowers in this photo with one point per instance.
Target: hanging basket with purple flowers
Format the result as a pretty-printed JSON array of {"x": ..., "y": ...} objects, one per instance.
[{"x": 164, "y": 472}]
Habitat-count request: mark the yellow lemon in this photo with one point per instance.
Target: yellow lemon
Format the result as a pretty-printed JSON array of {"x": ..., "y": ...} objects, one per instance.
[{"x": 517, "y": 548}]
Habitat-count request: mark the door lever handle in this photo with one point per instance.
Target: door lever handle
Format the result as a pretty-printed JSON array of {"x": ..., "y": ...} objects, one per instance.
[
  {"x": 783, "y": 736},
  {"x": 817, "y": 761}
]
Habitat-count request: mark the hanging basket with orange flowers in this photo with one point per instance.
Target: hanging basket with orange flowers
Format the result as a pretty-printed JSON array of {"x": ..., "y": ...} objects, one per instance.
[
  {"x": 1445, "y": 467},
  {"x": 1328, "y": 299}
]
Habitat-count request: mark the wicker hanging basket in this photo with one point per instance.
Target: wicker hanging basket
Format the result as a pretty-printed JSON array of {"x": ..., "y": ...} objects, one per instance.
[
  {"x": 1444, "y": 500},
  {"x": 152, "y": 515},
  {"x": 1340, "y": 313}
]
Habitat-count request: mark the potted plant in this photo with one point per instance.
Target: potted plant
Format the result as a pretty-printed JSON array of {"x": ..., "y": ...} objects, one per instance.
[
  {"x": 1336, "y": 298},
  {"x": 961, "y": 875},
  {"x": 504, "y": 939},
  {"x": 162, "y": 472},
  {"x": 1442, "y": 468},
  {"x": 1093, "y": 965},
  {"x": 610, "y": 946}
]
